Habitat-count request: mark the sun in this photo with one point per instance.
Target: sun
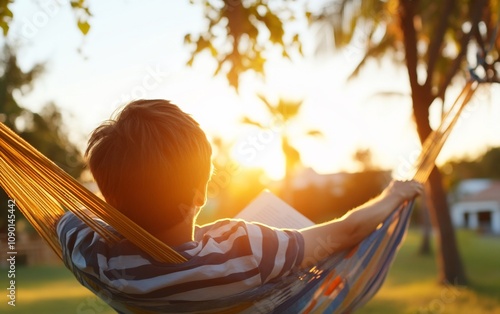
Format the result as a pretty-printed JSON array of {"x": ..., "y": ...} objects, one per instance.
[
  {"x": 261, "y": 150},
  {"x": 267, "y": 156},
  {"x": 274, "y": 166}
]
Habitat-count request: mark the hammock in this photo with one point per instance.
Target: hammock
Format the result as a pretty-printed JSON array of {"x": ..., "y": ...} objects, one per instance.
[{"x": 341, "y": 283}]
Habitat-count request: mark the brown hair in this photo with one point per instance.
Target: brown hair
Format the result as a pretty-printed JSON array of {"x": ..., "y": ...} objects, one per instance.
[{"x": 150, "y": 161}]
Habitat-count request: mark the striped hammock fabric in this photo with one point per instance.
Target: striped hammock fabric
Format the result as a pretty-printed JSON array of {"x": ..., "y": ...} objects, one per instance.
[{"x": 339, "y": 284}]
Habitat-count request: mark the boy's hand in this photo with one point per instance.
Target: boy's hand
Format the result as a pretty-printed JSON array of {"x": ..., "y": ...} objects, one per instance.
[{"x": 403, "y": 190}]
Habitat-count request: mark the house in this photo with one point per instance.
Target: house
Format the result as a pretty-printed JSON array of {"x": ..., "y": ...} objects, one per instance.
[{"x": 478, "y": 207}]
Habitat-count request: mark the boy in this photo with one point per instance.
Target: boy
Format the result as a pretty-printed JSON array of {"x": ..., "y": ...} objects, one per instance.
[{"x": 153, "y": 163}]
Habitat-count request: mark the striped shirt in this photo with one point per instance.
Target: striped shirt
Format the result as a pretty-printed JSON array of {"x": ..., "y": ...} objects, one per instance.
[{"x": 226, "y": 257}]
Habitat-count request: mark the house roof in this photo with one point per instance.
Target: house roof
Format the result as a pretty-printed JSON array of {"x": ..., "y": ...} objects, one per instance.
[
  {"x": 491, "y": 193},
  {"x": 473, "y": 186}
]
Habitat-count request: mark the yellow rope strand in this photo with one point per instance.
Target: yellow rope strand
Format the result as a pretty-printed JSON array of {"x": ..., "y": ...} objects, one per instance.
[
  {"x": 43, "y": 192},
  {"x": 435, "y": 141}
]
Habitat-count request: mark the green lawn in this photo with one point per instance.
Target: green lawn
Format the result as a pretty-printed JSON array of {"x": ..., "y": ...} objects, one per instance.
[{"x": 410, "y": 288}]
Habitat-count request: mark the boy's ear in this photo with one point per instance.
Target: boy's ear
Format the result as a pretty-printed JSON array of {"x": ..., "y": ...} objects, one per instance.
[{"x": 200, "y": 197}]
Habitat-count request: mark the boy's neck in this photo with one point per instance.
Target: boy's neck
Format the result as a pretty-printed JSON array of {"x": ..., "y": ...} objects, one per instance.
[{"x": 178, "y": 234}]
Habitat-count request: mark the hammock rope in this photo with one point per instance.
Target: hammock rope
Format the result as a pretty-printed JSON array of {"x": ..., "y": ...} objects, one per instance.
[
  {"x": 436, "y": 140},
  {"x": 43, "y": 193}
]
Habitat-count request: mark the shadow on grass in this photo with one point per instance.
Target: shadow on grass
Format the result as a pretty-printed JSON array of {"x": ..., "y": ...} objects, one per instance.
[{"x": 490, "y": 289}]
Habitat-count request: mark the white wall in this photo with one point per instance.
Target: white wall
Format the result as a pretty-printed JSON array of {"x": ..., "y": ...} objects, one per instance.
[{"x": 473, "y": 208}]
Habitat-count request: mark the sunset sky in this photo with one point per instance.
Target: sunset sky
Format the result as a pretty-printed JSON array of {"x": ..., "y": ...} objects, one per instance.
[{"x": 135, "y": 49}]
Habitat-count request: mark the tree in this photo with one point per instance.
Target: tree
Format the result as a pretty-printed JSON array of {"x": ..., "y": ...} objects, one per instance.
[
  {"x": 43, "y": 130},
  {"x": 282, "y": 114},
  {"x": 490, "y": 163},
  {"x": 80, "y": 9},
  {"x": 247, "y": 31},
  {"x": 364, "y": 158},
  {"x": 484, "y": 166},
  {"x": 413, "y": 34},
  {"x": 431, "y": 39}
]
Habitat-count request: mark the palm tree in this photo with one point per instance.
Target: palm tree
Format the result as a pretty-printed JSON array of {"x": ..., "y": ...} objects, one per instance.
[
  {"x": 431, "y": 39},
  {"x": 284, "y": 112}
]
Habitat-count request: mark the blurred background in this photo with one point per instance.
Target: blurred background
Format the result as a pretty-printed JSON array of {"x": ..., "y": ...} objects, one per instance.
[{"x": 322, "y": 102}]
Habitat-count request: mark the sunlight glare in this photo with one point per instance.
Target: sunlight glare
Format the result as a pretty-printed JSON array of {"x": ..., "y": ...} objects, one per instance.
[{"x": 261, "y": 149}]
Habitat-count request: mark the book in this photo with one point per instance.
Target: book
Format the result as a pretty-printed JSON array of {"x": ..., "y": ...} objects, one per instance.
[{"x": 270, "y": 210}]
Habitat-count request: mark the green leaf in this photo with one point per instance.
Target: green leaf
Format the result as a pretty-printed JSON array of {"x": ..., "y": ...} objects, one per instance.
[
  {"x": 84, "y": 27},
  {"x": 288, "y": 109},
  {"x": 309, "y": 17},
  {"x": 213, "y": 50},
  {"x": 190, "y": 61},
  {"x": 5, "y": 28},
  {"x": 247, "y": 120},
  {"x": 271, "y": 109},
  {"x": 7, "y": 12},
  {"x": 5, "y": 16},
  {"x": 315, "y": 133}
]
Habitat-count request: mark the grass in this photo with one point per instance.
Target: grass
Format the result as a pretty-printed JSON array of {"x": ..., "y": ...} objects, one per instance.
[
  {"x": 51, "y": 289},
  {"x": 411, "y": 286}
]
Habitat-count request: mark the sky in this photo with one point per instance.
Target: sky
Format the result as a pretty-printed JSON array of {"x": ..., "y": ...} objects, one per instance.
[{"x": 135, "y": 50}]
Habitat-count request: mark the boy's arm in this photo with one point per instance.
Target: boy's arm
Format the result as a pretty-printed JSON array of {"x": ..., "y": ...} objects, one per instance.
[{"x": 337, "y": 235}]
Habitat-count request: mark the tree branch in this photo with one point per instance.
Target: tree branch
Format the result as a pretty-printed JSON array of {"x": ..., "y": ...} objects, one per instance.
[
  {"x": 406, "y": 16},
  {"x": 437, "y": 41},
  {"x": 464, "y": 41}
]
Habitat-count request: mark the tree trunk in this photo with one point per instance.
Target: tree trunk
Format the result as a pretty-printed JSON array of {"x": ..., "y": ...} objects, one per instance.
[
  {"x": 449, "y": 261},
  {"x": 425, "y": 248}
]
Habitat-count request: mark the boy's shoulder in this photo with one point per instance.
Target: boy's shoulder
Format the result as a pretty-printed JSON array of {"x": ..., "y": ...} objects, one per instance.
[
  {"x": 218, "y": 228},
  {"x": 69, "y": 222}
]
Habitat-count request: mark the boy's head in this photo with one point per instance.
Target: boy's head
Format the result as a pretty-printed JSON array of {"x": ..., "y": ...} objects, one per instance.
[{"x": 151, "y": 162}]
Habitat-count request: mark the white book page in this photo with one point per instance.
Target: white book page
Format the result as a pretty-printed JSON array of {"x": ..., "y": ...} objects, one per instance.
[{"x": 269, "y": 209}]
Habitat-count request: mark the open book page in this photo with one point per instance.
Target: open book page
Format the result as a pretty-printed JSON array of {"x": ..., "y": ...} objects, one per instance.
[{"x": 269, "y": 209}]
